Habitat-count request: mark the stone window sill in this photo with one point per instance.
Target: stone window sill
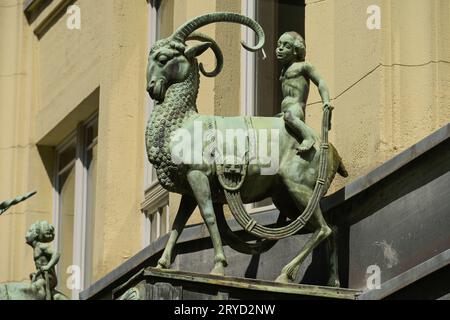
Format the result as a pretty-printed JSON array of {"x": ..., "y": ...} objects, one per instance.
[
  {"x": 33, "y": 8},
  {"x": 155, "y": 197}
]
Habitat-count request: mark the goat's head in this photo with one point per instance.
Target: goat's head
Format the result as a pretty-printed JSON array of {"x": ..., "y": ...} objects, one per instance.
[{"x": 170, "y": 60}]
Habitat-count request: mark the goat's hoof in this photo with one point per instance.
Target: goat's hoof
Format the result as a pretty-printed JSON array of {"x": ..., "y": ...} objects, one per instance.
[
  {"x": 334, "y": 283},
  {"x": 160, "y": 267},
  {"x": 162, "y": 264},
  {"x": 218, "y": 270},
  {"x": 282, "y": 278}
]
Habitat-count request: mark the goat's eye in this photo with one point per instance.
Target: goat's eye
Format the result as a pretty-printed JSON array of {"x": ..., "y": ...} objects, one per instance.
[{"x": 163, "y": 59}]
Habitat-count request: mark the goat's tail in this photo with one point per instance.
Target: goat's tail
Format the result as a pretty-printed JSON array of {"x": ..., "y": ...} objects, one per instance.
[{"x": 341, "y": 169}]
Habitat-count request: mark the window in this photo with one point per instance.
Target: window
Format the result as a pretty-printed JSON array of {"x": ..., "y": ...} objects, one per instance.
[
  {"x": 261, "y": 95},
  {"x": 158, "y": 28},
  {"x": 156, "y": 199},
  {"x": 158, "y": 222},
  {"x": 74, "y": 206},
  {"x": 276, "y": 17}
]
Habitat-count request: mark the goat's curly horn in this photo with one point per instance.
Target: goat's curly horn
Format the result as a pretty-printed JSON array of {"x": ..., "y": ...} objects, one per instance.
[
  {"x": 182, "y": 33},
  {"x": 214, "y": 47}
]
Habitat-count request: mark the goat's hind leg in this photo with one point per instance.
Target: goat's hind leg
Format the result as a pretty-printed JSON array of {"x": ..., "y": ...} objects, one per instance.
[
  {"x": 332, "y": 256},
  {"x": 301, "y": 196},
  {"x": 187, "y": 206}
]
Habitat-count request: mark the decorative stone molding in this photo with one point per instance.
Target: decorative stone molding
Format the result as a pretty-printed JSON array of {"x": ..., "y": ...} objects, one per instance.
[
  {"x": 33, "y": 8},
  {"x": 155, "y": 197},
  {"x": 43, "y": 14}
]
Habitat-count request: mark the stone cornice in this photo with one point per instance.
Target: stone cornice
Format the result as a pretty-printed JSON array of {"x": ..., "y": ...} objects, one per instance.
[
  {"x": 33, "y": 8},
  {"x": 43, "y": 14},
  {"x": 155, "y": 197}
]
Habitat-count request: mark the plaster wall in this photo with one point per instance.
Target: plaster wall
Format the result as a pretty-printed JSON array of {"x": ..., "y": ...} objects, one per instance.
[{"x": 390, "y": 88}]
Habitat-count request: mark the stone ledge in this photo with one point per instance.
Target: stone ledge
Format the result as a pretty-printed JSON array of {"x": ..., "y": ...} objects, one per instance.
[
  {"x": 33, "y": 8},
  {"x": 43, "y": 14},
  {"x": 252, "y": 284}
]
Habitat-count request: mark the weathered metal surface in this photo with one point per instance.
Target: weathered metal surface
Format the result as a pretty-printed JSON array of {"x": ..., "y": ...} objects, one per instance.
[
  {"x": 5, "y": 205},
  {"x": 164, "y": 291},
  {"x": 251, "y": 284},
  {"x": 300, "y": 168},
  {"x": 43, "y": 281}
]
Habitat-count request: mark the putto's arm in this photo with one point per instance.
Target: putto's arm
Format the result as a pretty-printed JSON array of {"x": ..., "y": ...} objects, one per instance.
[
  {"x": 54, "y": 258},
  {"x": 317, "y": 79},
  {"x": 9, "y": 203}
]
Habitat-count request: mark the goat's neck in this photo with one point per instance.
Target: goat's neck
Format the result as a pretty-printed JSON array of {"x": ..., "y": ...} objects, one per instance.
[{"x": 179, "y": 104}]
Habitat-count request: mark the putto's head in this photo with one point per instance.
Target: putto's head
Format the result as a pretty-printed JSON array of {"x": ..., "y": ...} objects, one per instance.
[
  {"x": 291, "y": 47},
  {"x": 170, "y": 60},
  {"x": 40, "y": 231}
]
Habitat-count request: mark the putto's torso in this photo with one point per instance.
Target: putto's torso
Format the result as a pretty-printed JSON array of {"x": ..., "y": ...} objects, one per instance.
[
  {"x": 294, "y": 85},
  {"x": 41, "y": 258}
]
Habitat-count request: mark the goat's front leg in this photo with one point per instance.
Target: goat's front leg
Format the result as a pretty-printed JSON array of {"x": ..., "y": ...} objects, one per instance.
[
  {"x": 202, "y": 193},
  {"x": 187, "y": 206}
]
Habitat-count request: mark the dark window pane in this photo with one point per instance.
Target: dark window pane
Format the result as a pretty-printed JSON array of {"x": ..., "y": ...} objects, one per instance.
[
  {"x": 67, "y": 155},
  {"x": 276, "y": 17}
]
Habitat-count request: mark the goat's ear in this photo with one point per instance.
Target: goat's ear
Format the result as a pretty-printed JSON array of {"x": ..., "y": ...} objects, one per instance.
[{"x": 197, "y": 50}]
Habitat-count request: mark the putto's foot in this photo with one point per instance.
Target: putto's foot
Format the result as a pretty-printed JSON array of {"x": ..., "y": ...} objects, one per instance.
[{"x": 306, "y": 145}]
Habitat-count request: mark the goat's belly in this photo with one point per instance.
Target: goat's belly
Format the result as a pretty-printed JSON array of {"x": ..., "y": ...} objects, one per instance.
[{"x": 257, "y": 188}]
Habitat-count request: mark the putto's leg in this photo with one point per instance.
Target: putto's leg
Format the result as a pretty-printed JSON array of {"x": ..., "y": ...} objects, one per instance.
[
  {"x": 39, "y": 287},
  {"x": 187, "y": 206},
  {"x": 202, "y": 192},
  {"x": 301, "y": 131}
]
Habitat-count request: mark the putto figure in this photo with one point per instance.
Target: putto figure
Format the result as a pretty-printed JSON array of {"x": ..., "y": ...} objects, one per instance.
[
  {"x": 295, "y": 79},
  {"x": 43, "y": 281},
  {"x": 39, "y": 237}
]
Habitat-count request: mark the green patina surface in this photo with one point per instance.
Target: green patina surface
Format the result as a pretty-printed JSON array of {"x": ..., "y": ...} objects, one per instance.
[
  {"x": 173, "y": 79},
  {"x": 43, "y": 281}
]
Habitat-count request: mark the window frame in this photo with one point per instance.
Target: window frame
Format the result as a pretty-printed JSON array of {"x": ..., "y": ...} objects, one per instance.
[
  {"x": 155, "y": 197},
  {"x": 248, "y": 80},
  {"x": 82, "y": 238}
]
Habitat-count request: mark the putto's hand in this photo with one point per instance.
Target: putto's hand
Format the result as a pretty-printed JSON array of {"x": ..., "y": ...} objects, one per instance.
[{"x": 328, "y": 106}]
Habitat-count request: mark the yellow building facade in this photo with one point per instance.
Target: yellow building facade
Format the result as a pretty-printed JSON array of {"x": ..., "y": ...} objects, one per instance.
[{"x": 73, "y": 107}]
